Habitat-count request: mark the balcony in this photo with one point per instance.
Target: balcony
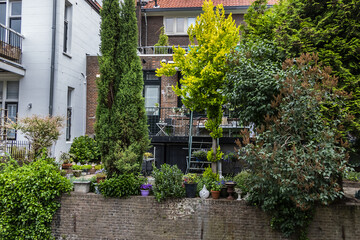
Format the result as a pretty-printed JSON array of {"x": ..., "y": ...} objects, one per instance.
[
  {"x": 10, "y": 44},
  {"x": 175, "y": 122},
  {"x": 158, "y": 50}
]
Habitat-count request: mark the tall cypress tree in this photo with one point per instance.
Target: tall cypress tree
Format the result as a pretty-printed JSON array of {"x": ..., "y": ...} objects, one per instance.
[{"x": 121, "y": 127}]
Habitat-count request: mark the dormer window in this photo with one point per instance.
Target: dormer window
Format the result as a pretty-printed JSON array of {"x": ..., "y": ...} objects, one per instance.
[{"x": 177, "y": 25}]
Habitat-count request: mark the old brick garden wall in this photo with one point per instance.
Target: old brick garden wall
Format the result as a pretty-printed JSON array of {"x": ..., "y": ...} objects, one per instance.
[{"x": 90, "y": 216}]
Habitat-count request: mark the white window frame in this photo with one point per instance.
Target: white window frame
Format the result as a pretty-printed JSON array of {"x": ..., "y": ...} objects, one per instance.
[
  {"x": 68, "y": 12},
  {"x": 175, "y": 30},
  {"x": 69, "y": 113},
  {"x": 4, "y": 101}
]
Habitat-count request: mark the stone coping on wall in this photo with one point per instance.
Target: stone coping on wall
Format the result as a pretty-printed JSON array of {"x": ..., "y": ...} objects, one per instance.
[{"x": 91, "y": 216}]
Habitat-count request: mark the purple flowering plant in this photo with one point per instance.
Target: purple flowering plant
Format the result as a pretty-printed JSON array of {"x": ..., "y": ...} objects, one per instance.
[{"x": 146, "y": 187}]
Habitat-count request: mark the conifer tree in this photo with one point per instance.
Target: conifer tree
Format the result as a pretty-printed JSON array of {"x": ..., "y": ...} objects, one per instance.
[{"x": 121, "y": 127}]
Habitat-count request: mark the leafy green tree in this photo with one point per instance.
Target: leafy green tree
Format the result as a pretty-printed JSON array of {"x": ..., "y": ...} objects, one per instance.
[
  {"x": 121, "y": 125},
  {"x": 250, "y": 83},
  {"x": 297, "y": 159},
  {"x": 330, "y": 28},
  {"x": 204, "y": 67}
]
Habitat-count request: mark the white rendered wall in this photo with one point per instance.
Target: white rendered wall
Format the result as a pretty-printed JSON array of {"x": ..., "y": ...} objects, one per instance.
[{"x": 70, "y": 69}]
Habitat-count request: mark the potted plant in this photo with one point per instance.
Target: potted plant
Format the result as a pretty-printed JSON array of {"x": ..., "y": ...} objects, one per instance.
[
  {"x": 148, "y": 155},
  {"x": 190, "y": 182},
  {"x": 77, "y": 169},
  {"x": 86, "y": 168},
  {"x": 100, "y": 175},
  {"x": 215, "y": 189},
  {"x": 81, "y": 185},
  {"x": 200, "y": 155},
  {"x": 145, "y": 189},
  {"x": 66, "y": 159}
]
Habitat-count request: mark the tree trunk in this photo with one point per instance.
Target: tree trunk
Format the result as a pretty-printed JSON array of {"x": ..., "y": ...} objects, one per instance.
[{"x": 214, "y": 148}]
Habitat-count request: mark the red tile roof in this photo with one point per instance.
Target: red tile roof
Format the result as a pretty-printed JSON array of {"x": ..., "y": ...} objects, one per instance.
[{"x": 199, "y": 3}]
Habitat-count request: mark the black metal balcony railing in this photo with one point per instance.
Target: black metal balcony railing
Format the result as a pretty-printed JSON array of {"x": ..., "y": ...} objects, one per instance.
[
  {"x": 10, "y": 44},
  {"x": 148, "y": 50},
  {"x": 176, "y": 122}
]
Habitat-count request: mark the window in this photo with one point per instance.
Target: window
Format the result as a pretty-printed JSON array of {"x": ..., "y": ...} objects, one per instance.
[
  {"x": 178, "y": 25},
  {"x": 69, "y": 113},
  {"x": 15, "y": 22},
  {"x": 10, "y": 16},
  {"x": 67, "y": 27},
  {"x": 9, "y": 94},
  {"x": 151, "y": 92}
]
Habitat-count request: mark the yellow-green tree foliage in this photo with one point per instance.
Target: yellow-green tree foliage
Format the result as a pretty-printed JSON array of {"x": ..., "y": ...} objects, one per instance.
[{"x": 204, "y": 67}]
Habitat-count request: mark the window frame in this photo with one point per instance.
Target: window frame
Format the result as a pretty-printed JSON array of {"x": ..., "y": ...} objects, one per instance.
[
  {"x": 175, "y": 21},
  {"x": 68, "y": 9},
  {"x": 69, "y": 113}
]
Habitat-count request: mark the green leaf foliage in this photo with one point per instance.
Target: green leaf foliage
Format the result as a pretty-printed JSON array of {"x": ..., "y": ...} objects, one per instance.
[
  {"x": 204, "y": 67},
  {"x": 298, "y": 159},
  {"x": 121, "y": 186},
  {"x": 168, "y": 182},
  {"x": 85, "y": 150},
  {"x": 29, "y": 199},
  {"x": 121, "y": 124},
  {"x": 329, "y": 28},
  {"x": 251, "y": 84}
]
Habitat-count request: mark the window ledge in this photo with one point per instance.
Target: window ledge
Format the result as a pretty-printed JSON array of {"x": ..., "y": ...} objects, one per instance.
[
  {"x": 177, "y": 34},
  {"x": 67, "y": 55}
]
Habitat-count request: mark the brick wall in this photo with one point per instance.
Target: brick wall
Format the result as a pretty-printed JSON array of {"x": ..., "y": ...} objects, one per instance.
[
  {"x": 92, "y": 69},
  {"x": 90, "y": 216}
]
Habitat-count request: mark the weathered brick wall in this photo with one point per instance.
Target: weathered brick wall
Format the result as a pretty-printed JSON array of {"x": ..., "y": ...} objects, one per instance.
[
  {"x": 90, "y": 216},
  {"x": 92, "y": 69}
]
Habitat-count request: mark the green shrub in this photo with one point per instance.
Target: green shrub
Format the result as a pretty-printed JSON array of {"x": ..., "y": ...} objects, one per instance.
[
  {"x": 84, "y": 150},
  {"x": 41, "y": 132},
  {"x": 76, "y": 167},
  {"x": 297, "y": 158},
  {"x": 168, "y": 182},
  {"x": 121, "y": 186},
  {"x": 86, "y": 167},
  {"x": 352, "y": 176},
  {"x": 242, "y": 181},
  {"x": 29, "y": 199},
  {"x": 100, "y": 166},
  {"x": 207, "y": 179}
]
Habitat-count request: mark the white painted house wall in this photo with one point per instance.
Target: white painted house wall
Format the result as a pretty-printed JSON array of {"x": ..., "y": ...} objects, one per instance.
[{"x": 70, "y": 68}]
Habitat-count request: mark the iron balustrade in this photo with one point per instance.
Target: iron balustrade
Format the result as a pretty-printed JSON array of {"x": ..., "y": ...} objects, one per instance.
[
  {"x": 10, "y": 44},
  {"x": 159, "y": 50},
  {"x": 174, "y": 121}
]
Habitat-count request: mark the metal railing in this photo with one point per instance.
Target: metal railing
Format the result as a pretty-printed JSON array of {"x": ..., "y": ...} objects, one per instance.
[
  {"x": 176, "y": 122},
  {"x": 18, "y": 150},
  {"x": 158, "y": 50},
  {"x": 10, "y": 44}
]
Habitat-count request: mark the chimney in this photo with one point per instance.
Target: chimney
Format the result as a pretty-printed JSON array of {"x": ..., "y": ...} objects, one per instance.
[{"x": 156, "y": 5}]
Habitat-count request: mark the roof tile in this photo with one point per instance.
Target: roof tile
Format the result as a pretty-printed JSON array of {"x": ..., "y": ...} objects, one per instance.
[{"x": 199, "y": 3}]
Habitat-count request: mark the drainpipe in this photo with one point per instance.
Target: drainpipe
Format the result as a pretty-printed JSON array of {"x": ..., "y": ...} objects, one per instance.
[
  {"x": 140, "y": 25},
  {"x": 146, "y": 30},
  {"x": 52, "y": 71}
]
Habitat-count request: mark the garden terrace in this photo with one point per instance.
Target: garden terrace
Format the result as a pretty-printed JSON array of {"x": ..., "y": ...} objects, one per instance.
[{"x": 173, "y": 122}]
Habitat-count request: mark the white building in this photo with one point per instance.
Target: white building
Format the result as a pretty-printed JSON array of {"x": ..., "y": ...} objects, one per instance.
[{"x": 43, "y": 48}]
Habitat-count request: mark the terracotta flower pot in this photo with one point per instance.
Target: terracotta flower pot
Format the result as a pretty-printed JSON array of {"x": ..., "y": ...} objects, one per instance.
[
  {"x": 100, "y": 179},
  {"x": 66, "y": 165},
  {"x": 215, "y": 194}
]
